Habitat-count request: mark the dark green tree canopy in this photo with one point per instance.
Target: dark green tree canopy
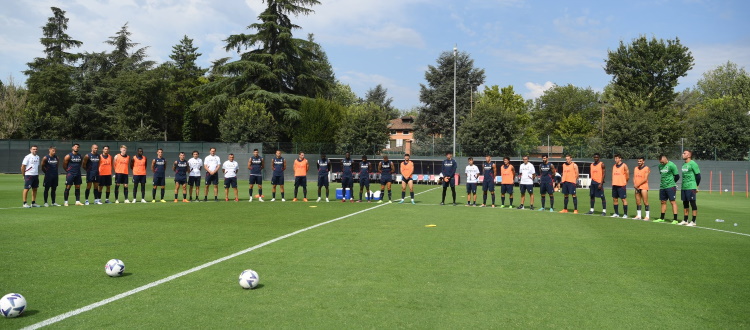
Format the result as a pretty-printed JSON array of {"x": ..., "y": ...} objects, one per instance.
[
  {"x": 436, "y": 116},
  {"x": 646, "y": 71}
]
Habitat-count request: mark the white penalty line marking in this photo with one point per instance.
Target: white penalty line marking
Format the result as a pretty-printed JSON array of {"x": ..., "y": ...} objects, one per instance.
[{"x": 189, "y": 271}]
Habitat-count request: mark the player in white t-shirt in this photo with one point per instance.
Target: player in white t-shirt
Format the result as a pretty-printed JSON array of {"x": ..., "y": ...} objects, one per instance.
[
  {"x": 472, "y": 178},
  {"x": 30, "y": 171},
  {"x": 230, "y": 177},
  {"x": 527, "y": 172},
  {"x": 212, "y": 164},
  {"x": 194, "y": 178}
]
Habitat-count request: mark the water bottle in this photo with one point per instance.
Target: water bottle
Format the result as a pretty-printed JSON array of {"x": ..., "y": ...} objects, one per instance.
[{"x": 719, "y": 220}]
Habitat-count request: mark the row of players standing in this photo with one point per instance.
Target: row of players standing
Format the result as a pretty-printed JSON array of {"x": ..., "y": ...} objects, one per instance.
[
  {"x": 99, "y": 168},
  {"x": 669, "y": 175}
]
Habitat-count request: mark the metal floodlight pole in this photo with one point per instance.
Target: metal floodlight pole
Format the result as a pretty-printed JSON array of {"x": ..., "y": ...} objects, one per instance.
[{"x": 455, "y": 59}]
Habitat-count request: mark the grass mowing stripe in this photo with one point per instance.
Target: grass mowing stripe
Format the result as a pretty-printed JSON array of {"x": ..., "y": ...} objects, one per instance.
[{"x": 87, "y": 308}]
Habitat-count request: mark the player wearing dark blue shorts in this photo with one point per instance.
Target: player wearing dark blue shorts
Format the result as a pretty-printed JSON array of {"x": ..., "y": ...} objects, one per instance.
[
  {"x": 547, "y": 173},
  {"x": 72, "y": 165},
  {"x": 364, "y": 178},
  {"x": 277, "y": 178},
  {"x": 255, "y": 164},
  {"x": 91, "y": 165},
  {"x": 158, "y": 167},
  {"x": 322, "y": 165},
  {"x": 180, "y": 168},
  {"x": 347, "y": 177},
  {"x": 385, "y": 167},
  {"x": 449, "y": 171},
  {"x": 51, "y": 178},
  {"x": 620, "y": 177},
  {"x": 596, "y": 189},
  {"x": 507, "y": 175},
  {"x": 489, "y": 170}
]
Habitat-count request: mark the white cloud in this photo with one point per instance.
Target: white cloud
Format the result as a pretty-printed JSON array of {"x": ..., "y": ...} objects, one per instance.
[
  {"x": 543, "y": 58},
  {"x": 580, "y": 29},
  {"x": 360, "y": 82},
  {"x": 536, "y": 90},
  {"x": 366, "y": 23},
  {"x": 708, "y": 57}
]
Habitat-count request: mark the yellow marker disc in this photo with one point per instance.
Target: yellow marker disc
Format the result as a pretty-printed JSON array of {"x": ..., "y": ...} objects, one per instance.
[
  {"x": 313, "y": 206},
  {"x": 431, "y": 226}
]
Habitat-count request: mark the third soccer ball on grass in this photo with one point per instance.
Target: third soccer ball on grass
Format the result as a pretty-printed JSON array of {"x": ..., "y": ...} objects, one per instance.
[
  {"x": 249, "y": 279},
  {"x": 114, "y": 267}
]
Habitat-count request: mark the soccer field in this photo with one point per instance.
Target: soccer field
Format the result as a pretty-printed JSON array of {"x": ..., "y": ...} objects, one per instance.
[{"x": 376, "y": 265}]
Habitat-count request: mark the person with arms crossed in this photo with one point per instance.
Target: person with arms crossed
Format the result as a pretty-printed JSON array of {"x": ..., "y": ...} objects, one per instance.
[
  {"x": 691, "y": 179},
  {"x": 212, "y": 164},
  {"x": 569, "y": 181},
  {"x": 620, "y": 177},
  {"x": 407, "y": 169},
  {"x": 138, "y": 165},
  {"x": 180, "y": 168},
  {"x": 472, "y": 178},
  {"x": 322, "y": 165},
  {"x": 159, "y": 168},
  {"x": 347, "y": 177},
  {"x": 385, "y": 168},
  {"x": 488, "y": 181},
  {"x": 194, "y": 177},
  {"x": 507, "y": 173},
  {"x": 596, "y": 189},
  {"x": 448, "y": 172},
  {"x": 528, "y": 174},
  {"x": 277, "y": 178},
  {"x": 122, "y": 162},
  {"x": 105, "y": 173},
  {"x": 91, "y": 165},
  {"x": 364, "y": 179},
  {"x": 72, "y": 164},
  {"x": 255, "y": 165},
  {"x": 547, "y": 174},
  {"x": 230, "y": 168},
  {"x": 301, "y": 166},
  {"x": 640, "y": 183},
  {"x": 30, "y": 172},
  {"x": 668, "y": 187},
  {"x": 51, "y": 178}
]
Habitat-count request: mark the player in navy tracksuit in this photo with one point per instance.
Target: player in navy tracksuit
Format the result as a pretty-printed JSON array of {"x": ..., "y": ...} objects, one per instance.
[
  {"x": 49, "y": 168},
  {"x": 364, "y": 178},
  {"x": 547, "y": 182},
  {"x": 72, "y": 164},
  {"x": 347, "y": 177},
  {"x": 277, "y": 178},
  {"x": 448, "y": 172},
  {"x": 159, "y": 168},
  {"x": 322, "y": 165},
  {"x": 385, "y": 167}
]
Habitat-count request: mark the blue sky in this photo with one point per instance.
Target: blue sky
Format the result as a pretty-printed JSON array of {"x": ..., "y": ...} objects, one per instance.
[{"x": 528, "y": 44}]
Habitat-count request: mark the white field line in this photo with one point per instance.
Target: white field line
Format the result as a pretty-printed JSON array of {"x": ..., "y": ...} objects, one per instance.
[{"x": 87, "y": 308}]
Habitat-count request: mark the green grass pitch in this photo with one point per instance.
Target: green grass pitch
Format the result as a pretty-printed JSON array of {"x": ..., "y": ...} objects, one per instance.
[{"x": 477, "y": 268}]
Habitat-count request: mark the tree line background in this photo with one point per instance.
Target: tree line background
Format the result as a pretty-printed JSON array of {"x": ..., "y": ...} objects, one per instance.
[{"x": 283, "y": 89}]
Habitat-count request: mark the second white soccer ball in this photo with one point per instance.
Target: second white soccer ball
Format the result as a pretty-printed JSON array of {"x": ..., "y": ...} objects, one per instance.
[
  {"x": 114, "y": 267},
  {"x": 249, "y": 279}
]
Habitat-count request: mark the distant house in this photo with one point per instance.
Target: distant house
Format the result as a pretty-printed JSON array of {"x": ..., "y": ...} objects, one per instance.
[
  {"x": 552, "y": 151},
  {"x": 401, "y": 131}
]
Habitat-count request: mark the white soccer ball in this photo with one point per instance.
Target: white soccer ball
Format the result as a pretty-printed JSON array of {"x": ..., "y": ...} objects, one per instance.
[
  {"x": 12, "y": 305},
  {"x": 249, "y": 279},
  {"x": 114, "y": 267},
  {"x": 726, "y": 190}
]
